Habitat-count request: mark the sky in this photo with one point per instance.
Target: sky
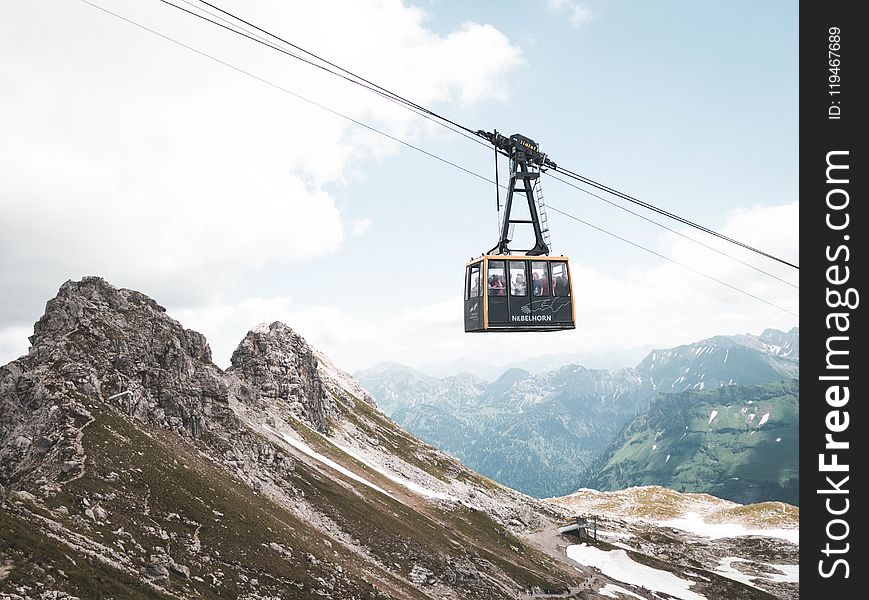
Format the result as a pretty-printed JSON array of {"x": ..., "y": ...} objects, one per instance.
[{"x": 223, "y": 194}]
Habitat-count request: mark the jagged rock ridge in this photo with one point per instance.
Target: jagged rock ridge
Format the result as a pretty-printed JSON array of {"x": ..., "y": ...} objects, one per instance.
[
  {"x": 280, "y": 366},
  {"x": 131, "y": 466}
]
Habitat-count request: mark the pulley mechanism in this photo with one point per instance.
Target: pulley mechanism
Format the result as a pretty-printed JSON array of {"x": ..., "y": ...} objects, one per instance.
[{"x": 526, "y": 165}]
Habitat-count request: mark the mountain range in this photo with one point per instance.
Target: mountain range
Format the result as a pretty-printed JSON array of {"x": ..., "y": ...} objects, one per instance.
[
  {"x": 543, "y": 434},
  {"x": 133, "y": 467}
]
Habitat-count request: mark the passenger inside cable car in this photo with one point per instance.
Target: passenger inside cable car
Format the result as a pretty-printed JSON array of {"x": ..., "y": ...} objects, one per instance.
[{"x": 519, "y": 287}]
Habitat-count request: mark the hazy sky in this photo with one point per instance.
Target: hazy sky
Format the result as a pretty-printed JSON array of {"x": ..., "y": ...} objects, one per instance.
[{"x": 232, "y": 202}]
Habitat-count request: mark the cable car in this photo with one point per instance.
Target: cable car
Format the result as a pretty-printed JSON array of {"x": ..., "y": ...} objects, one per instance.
[
  {"x": 518, "y": 293},
  {"x": 508, "y": 291}
]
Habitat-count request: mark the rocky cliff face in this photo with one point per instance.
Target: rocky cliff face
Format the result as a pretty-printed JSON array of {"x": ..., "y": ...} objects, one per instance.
[
  {"x": 131, "y": 466},
  {"x": 96, "y": 343},
  {"x": 281, "y": 369}
]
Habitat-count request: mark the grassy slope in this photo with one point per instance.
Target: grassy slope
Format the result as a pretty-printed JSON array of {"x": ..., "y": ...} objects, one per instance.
[
  {"x": 464, "y": 533},
  {"x": 161, "y": 491},
  {"x": 167, "y": 494},
  {"x": 730, "y": 457},
  {"x": 39, "y": 561}
]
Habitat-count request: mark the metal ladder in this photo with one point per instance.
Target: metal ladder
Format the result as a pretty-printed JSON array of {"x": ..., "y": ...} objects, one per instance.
[{"x": 541, "y": 209}]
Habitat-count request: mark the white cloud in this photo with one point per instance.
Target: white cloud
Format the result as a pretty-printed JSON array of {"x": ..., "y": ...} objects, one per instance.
[
  {"x": 360, "y": 226},
  {"x": 580, "y": 15},
  {"x": 663, "y": 305},
  {"x": 348, "y": 340},
  {"x": 167, "y": 173},
  {"x": 577, "y": 12},
  {"x": 126, "y": 156}
]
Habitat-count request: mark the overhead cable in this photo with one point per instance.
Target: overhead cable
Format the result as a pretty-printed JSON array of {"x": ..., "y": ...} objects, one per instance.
[
  {"x": 418, "y": 149},
  {"x": 457, "y": 127}
]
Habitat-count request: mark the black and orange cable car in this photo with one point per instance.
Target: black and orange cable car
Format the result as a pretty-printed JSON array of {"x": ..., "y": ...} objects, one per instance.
[
  {"x": 518, "y": 293},
  {"x": 519, "y": 290}
]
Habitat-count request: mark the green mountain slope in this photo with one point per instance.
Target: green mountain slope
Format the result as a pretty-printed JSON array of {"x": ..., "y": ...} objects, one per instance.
[{"x": 736, "y": 442}]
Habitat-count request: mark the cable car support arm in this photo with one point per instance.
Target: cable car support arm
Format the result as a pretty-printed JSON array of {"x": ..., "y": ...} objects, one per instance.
[{"x": 526, "y": 165}]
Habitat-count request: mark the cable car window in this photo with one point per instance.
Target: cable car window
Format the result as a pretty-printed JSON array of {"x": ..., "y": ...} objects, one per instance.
[
  {"x": 518, "y": 281},
  {"x": 475, "y": 282},
  {"x": 496, "y": 280},
  {"x": 560, "y": 285},
  {"x": 539, "y": 279}
]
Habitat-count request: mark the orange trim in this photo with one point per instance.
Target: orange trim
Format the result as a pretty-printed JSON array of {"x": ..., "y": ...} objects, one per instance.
[
  {"x": 514, "y": 257},
  {"x": 572, "y": 297},
  {"x": 485, "y": 278}
]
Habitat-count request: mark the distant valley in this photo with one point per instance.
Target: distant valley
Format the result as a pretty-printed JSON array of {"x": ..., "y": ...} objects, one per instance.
[{"x": 547, "y": 434}]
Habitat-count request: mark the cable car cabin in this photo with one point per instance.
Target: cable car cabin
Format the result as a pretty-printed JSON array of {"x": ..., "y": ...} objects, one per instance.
[{"x": 518, "y": 293}]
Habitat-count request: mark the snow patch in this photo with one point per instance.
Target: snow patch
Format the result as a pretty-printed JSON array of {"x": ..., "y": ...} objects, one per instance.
[
  {"x": 785, "y": 574},
  {"x": 694, "y": 523},
  {"x": 789, "y": 573},
  {"x": 763, "y": 419},
  {"x": 726, "y": 570},
  {"x": 712, "y": 416},
  {"x": 611, "y": 590},
  {"x": 306, "y": 449},
  {"x": 618, "y": 565},
  {"x": 411, "y": 485},
  {"x": 614, "y": 535},
  {"x": 666, "y": 460},
  {"x": 778, "y": 439}
]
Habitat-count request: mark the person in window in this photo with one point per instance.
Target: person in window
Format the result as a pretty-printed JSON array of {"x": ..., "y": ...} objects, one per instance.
[
  {"x": 539, "y": 284},
  {"x": 560, "y": 285},
  {"x": 519, "y": 287},
  {"x": 475, "y": 286},
  {"x": 496, "y": 286}
]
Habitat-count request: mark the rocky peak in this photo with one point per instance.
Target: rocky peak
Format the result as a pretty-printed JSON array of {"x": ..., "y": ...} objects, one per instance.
[
  {"x": 101, "y": 344},
  {"x": 278, "y": 363},
  {"x": 90, "y": 318}
]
